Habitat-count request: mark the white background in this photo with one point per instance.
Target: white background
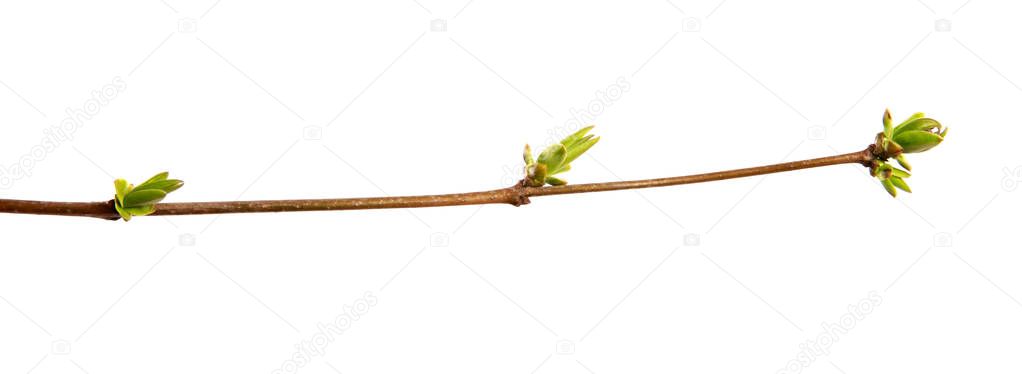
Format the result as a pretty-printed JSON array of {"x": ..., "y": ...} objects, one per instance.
[{"x": 261, "y": 100}]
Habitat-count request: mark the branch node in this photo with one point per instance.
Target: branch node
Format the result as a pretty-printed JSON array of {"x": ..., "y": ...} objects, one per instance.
[
  {"x": 869, "y": 154},
  {"x": 519, "y": 194}
]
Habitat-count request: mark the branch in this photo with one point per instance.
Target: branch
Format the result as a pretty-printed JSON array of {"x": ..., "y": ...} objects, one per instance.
[
  {"x": 516, "y": 195},
  {"x": 914, "y": 135}
]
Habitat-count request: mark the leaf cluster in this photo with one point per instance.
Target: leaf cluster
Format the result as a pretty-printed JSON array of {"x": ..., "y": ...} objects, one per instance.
[
  {"x": 556, "y": 158},
  {"x": 141, "y": 200},
  {"x": 914, "y": 135}
]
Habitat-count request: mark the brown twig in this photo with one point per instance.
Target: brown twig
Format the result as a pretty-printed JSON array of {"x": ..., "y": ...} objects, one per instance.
[{"x": 515, "y": 195}]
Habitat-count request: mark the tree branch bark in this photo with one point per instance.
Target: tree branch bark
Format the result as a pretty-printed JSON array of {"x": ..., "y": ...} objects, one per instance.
[{"x": 515, "y": 195}]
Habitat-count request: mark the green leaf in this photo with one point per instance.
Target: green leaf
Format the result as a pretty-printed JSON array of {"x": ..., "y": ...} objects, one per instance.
[
  {"x": 903, "y": 162},
  {"x": 557, "y": 158},
  {"x": 899, "y": 173},
  {"x": 888, "y": 129},
  {"x": 124, "y": 214},
  {"x": 157, "y": 177},
  {"x": 889, "y": 186},
  {"x": 168, "y": 186},
  {"x": 580, "y": 148},
  {"x": 900, "y": 183},
  {"x": 581, "y": 140},
  {"x": 131, "y": 201},
  {"x": 121, "y": 188},
  {"x": 574, "y": 138},
  {"x": 917, "y": 141},
  {"x": 135, "y": 199},
  {"x": 554, "y": 181},
  {"x": 918, "y": 124},
  {"x": 911, "y": 118},
  {"x": 553, "y": 156}
]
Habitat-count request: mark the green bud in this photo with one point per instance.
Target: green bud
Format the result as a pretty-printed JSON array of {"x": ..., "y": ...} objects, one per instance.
[
  {"x": 886, "y": 173},
  {"x": 916, "y": 134},
  {"x": 904, "y": 163},
  {"x": 884, "y": 170},
  {"x": 892, "y": 148},
  {"x": 891, "y": 178},
  {"x": 881, "y": 142},
  {"x": 887, "y": 123},
  {"x": 917, "y": 141},
  {"x": 900, "y": 184},
  {"x": 918, "y": 124},
  {"x": 556, "y": 158},
  {"x": 553, "y": 156},
  {"x": 899, "y": 173},
  {"x": 889, "y": 186},
  {"x": 141, "y": 200},
  {"x": 536, "y": 175},
  {"x": 919, "y": 134}
]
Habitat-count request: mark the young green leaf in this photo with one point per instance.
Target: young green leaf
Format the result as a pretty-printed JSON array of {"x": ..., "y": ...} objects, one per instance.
[
  {"x": 130, "y": 201},
  {"x": 557, "y": 158},
  {"x": 580, "y": 148},
  {"x": 157, "y": 177},
  {"x": 918, "y": 124},
  {"x": 168, "y": 186},
  {"x": 553, "y": 156},
  {"x": 121, "y": 188},
  {"x": 900, "y": 183},
  {"x": 903, "y": 162},
  {"x": 913, "y": 117},
  {"x": 917, "y": 141},
  {"x": 124, "y": 214},
  {"x": 573, "y": 138},
  {"x": 888, "y": 129},
  {"x": 581, "y": 140},
  {"x": 899, "y": 173},
  {"x": 135, "y": 199},
  {"x": 889, "y": 186}
]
